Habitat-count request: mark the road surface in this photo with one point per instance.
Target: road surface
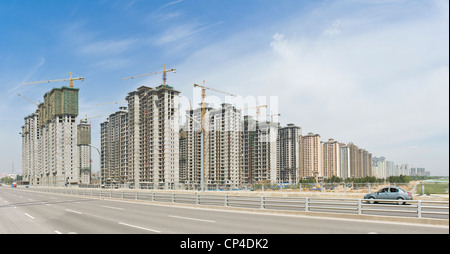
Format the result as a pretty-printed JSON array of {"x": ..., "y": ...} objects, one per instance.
[{"x": 26, "y": 212}]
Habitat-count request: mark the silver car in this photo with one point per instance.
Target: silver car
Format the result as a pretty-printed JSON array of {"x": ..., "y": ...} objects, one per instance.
[{"x": 390, "y": 193}]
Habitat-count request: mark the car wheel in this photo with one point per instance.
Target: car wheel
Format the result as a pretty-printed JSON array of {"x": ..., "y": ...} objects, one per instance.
[
  {"x": 372, "y": 200},
  {"x": 400, "y": 202}
]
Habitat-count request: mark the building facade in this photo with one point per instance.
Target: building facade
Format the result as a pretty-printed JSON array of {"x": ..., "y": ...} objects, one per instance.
[
  {"x": 330, "y": 159},
  {"x": 51, "y": 153},
  {"x": 153, "y": 144},
  {"x": 288, "y": 159},
  {"x": 259, "y": 144},
  {"x": 222, "y": 147},
  {"x": 114, "y": 150},
  {"x": 84, "y": 151},
  {"x": 311, "y": 156}
]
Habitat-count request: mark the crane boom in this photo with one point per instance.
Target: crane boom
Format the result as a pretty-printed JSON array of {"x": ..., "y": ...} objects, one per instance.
[
  {"x": 212, "y": 89},
  {"x": 164, "y": 72},
  {"x": 71, "y": 79},
  {"x": 28, "y": 99},
  {"x": 258, "y": 109}
]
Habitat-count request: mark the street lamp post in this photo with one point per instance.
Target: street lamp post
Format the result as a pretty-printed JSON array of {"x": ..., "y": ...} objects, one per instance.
[{"x": 100, "y": 171}]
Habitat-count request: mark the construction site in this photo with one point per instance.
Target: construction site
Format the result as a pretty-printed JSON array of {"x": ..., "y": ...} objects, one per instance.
[{"x": 144, "y": 146}]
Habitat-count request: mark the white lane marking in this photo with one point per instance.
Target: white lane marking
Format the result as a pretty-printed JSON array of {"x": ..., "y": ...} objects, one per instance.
[
  {"x": 59, "y": 233},
  {"x": 187, "y": 218},
  {"x": 112, "y": 207},
  {"x": 72, "y": 211},
  {"x": 29, "y": 216},
  {"x": 134, "y": 226}
]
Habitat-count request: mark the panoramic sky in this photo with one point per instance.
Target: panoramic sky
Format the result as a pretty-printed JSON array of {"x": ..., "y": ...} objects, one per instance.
[{"x": 371, "y": 72}]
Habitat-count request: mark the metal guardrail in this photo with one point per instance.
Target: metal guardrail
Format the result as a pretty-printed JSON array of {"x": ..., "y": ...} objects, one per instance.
[{"x": 411, "y": 208}]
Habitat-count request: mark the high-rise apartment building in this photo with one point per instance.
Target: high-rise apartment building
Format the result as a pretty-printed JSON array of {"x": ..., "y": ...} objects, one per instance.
[
  {"x": 259, "y": 144},
  {"x": 153, "y": 147},
  {"x": 84, "y": 151},
  {"x": 114, "y": 147},
  {"x": 50, "y": 150},
  {"x": 379, "y": 167},
  {"x": 330, "y": 158},
  {"x": 288, "y": 159},
  {"x": 311, "y": 156},
  {"x": 344, "y": 160},
  {"x": 222, "y": 147},
  {"x": 31, "y": 161},
  {"x": 360, "y": 161}
]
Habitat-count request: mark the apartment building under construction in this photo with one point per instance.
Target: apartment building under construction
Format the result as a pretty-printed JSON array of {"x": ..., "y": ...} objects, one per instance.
[
  {"x": 114, "y": 147},
  {"x": 153, "y": 137},
  {"x": 288, "y": 159},
  {"x": 51, "y": 153},
  {"x": 259, "y": 144},
  {"x": 222, "y": 147}
]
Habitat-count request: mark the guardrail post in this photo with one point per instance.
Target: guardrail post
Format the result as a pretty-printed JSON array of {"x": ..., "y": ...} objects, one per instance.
[
  {"x": 359, "y": 206},
  {"x": 136, "y": 195},
  {"x": 306, "y": 204},
  {"x": 419, "y": 208},
  {"x": 226, "y": 200},
  {"x": 197, "y": 199},
  {"x": 262, "y": 202},
  {"x": 153, "y": 196},
  {"x": 173, "y": 197}
]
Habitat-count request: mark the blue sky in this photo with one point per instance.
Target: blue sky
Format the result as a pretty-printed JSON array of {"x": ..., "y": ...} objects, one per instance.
[{"x": 375, "y": 73}]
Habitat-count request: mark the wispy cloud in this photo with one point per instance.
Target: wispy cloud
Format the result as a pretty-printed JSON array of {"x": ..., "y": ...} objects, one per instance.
[
  {"x": 26, "y": 78},
  {"x": 376, "y": 87},
  {"x": 179, "y": 32}
]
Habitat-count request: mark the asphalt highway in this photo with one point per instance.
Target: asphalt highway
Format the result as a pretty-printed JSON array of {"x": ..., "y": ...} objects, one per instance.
[{"x": 29, "y": 212}]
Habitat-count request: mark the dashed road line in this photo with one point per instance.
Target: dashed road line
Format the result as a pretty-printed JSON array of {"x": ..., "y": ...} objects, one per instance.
[
  {"x": 112, "y": 207},
  {"x": 139, "y": 227},
  {"x": 72, "y": 211},
  {"x": 29, "y": 216},
  {"x": 187, "y": 218}
]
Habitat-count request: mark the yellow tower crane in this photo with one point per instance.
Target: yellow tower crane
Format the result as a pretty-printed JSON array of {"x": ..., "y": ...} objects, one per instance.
[
  {"x": 164, "y": 72},
  {"x": 71, "y": 79},
  {"x": 203, "y": 87},
  {"x": 272, "y": 115},
  {"x": 258, "y": 109}
]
